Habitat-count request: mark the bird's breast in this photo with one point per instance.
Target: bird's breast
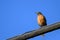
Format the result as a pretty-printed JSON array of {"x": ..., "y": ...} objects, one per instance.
[{"x": 40, "y": 19}]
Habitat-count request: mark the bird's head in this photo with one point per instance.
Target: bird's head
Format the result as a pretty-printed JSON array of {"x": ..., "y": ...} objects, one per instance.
[{"x": 38, "y": 13}]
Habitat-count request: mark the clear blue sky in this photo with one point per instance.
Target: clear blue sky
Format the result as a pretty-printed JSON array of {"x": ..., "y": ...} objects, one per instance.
[{"x": 18, "y": 16}]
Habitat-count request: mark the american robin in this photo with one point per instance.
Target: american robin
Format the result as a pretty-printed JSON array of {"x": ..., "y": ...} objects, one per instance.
[{"x": 41, "y": 20}]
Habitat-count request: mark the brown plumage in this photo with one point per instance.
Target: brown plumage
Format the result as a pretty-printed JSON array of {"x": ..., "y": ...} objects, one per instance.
[{"x": 41, "y": 19}]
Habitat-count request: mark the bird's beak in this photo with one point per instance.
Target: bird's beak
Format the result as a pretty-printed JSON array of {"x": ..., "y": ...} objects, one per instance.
[{"x": 36, "y": 12}]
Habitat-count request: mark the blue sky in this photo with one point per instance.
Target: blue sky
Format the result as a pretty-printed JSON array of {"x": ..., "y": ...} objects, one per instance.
[{"x": 19, "y": 16}]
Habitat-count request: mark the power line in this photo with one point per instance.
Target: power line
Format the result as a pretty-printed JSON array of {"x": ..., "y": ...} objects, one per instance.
[{"x": 34, "y": 33}]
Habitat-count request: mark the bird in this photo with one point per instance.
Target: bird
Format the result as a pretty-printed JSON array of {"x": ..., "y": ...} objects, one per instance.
[{"x": 41, "y": 20}]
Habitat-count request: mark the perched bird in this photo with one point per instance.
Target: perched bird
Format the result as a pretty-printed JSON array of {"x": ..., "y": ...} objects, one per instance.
[{"x": 41, "y": 20}]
